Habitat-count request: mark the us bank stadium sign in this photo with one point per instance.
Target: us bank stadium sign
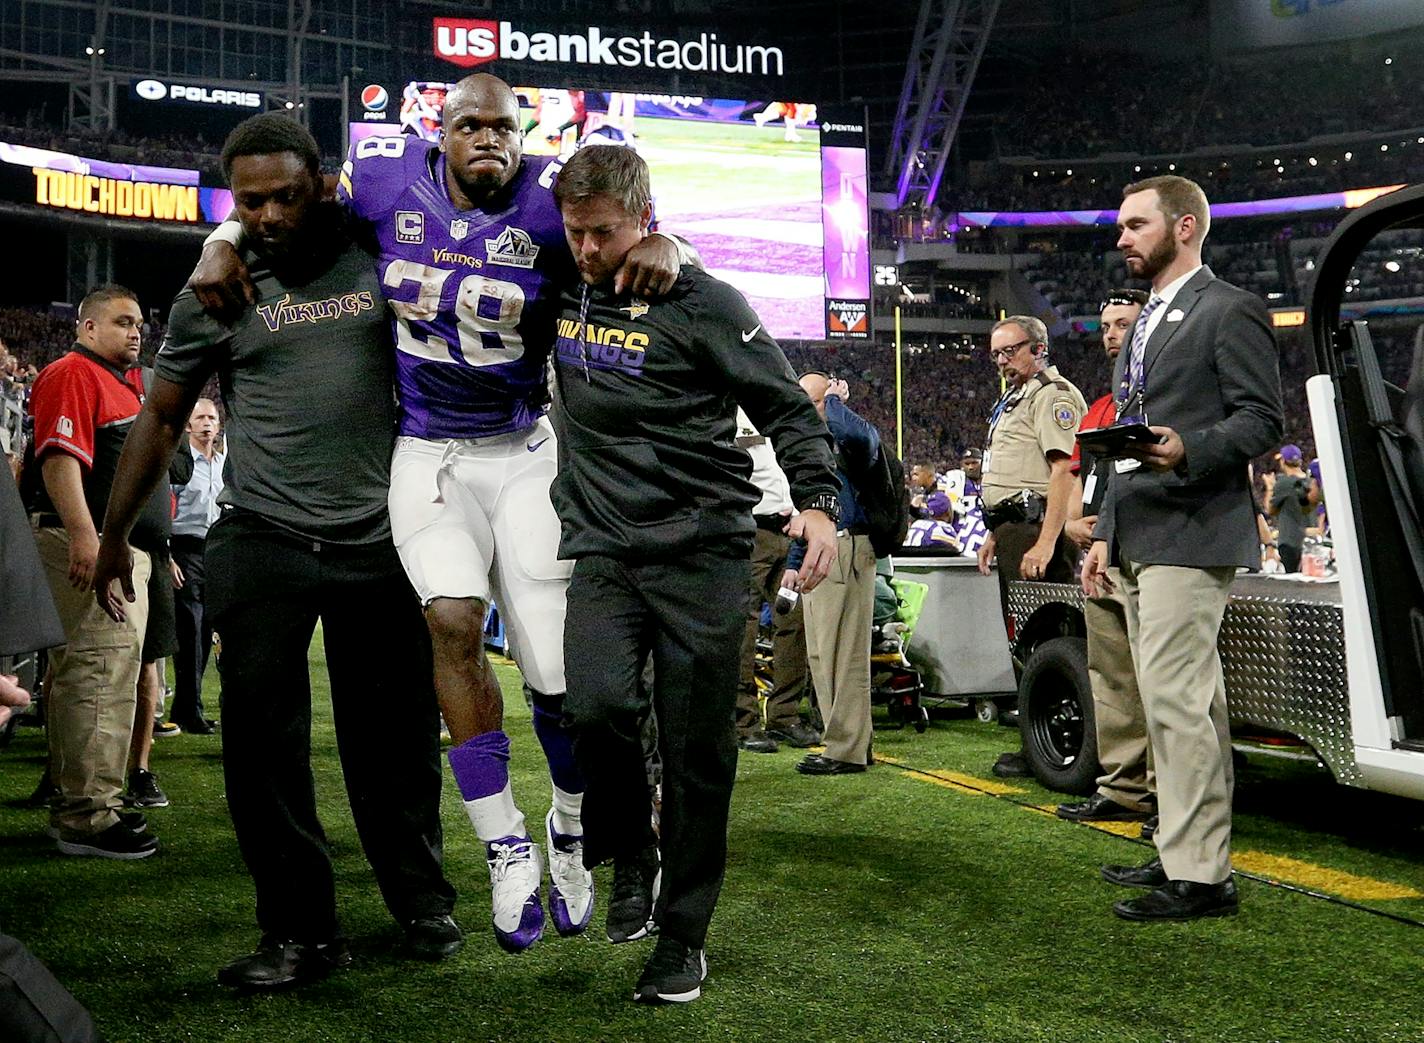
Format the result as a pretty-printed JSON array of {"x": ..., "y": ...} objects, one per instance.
[{"x": 470, "y": 42}]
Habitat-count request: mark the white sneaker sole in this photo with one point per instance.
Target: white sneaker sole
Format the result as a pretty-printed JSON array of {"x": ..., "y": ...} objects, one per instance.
[
  {"x": 71, "y": 847},
  {"x": 654, "y": 996}
]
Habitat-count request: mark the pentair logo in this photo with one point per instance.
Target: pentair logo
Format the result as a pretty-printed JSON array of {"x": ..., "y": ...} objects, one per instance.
[
  {"x": 375, "y": 98},
  {"x": 470, "y": 41}
]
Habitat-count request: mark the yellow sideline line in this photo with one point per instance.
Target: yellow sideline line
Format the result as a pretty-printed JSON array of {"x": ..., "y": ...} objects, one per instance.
[
  {"x": 953, "y": 779},
  {"x": 1273, "y": 867},
  {"x": 1319, "y": 878}
]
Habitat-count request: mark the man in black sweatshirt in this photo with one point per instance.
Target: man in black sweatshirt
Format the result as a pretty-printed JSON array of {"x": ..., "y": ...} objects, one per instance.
[{"x": 655, "y": 501}]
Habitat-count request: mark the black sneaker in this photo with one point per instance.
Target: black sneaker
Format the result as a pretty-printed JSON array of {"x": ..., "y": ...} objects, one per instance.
[
  {"x": 133, "y": 820},
  {"x": 279, "y": 964},
  {"x": 118, "y": 841},
  {"x": 757, "y": 742},
  {"x": 800, "y": 735},
  {"x": 635, "y": 889},
  {"x": 673, "y": 974},
  {"x": 144, "y": 791},
  {"x": 433, "y": 937}
]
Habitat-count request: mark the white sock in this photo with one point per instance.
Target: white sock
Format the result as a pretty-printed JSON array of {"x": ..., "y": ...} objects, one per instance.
[
  {"x": 495, "y": 817},
  {"x": 568, "y": 809}
]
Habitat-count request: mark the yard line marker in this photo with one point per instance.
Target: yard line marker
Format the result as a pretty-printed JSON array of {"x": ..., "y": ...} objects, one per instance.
[{"x": 1321, "y": 878}]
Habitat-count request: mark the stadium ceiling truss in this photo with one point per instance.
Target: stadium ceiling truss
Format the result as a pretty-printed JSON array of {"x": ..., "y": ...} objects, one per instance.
[
  {"x": 85, "y": 55},
  {"x": 949, "y": 42}
]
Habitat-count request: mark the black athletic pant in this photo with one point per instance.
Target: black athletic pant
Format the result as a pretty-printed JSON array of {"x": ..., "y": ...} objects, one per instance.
[
  {"x": 266, "y": 590},
  {"x": 688, "y": 614},
  {"x": 195, "y": 633},
  {"x": 1290, "y": 557}
]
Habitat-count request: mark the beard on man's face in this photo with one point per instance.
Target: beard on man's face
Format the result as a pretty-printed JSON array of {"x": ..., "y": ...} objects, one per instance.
[{"x": 1162, "y": 255}]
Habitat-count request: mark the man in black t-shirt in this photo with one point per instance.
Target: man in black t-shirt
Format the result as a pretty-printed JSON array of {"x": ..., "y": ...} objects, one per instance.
[
  {"x": 1287, "y": 503},
  {"x": 304, "y": 535}
]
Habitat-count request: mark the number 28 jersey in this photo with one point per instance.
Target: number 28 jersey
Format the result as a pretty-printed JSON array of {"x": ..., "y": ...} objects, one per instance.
[{"x": 474, "y": 293}]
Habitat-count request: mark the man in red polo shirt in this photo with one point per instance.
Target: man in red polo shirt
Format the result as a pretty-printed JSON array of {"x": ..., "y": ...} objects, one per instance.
[
  {"x": 1127, "y": 790},
  {"x": 83, "y": 407}
]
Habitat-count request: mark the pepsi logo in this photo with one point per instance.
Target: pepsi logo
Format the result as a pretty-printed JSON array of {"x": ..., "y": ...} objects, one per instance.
[{"x": 375, "y": 98}]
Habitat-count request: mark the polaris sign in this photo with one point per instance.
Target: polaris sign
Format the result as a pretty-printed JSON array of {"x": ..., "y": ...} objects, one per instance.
[
  {"x": 193, "y": 94},
  {"x": 469, "y": 42}
]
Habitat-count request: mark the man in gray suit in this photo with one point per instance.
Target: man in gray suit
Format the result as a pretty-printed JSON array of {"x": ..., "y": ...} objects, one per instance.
[{"x": 1203, "y": 370}]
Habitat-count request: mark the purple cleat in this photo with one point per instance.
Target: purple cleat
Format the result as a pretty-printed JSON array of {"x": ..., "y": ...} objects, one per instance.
[
  {"x": 515, "y": 872},
  {"x": 570, "y": 884}
]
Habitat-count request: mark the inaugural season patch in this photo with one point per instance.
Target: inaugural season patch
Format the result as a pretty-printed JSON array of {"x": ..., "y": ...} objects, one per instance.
[{"x": 1066, "y": 413}]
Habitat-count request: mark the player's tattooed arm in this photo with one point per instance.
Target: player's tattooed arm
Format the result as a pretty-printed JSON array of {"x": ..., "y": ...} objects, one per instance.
[
  {"x": 650, "y": 269},
  {"x": 221, "y": 282}
]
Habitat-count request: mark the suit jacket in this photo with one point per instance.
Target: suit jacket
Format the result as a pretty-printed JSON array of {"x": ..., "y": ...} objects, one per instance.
[{"x": 1213, "y": 376}]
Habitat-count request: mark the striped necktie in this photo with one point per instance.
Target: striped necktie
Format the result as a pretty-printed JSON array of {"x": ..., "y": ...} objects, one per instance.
[{"x": 1137, "y": 356}]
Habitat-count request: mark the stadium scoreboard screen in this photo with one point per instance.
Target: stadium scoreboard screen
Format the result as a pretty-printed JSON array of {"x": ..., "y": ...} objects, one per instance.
[
  {"x": 771, "y": 193},
  {"x": 50, "y": 180}
]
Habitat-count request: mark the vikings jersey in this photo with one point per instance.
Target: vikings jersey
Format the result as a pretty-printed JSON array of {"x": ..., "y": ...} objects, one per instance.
[{"x": 473, "y": 293}]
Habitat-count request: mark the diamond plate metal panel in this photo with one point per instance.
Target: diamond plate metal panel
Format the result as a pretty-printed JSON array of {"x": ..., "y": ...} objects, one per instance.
[{"x": 1282, "y": 654}]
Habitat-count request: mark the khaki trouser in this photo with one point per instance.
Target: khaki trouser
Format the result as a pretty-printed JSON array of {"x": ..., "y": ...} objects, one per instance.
[
  {"x": 788, "y": 650},
  {"x": 90, "y": 711},
  {"x": 1173, "y": 618},
  {"x": 1123, "y": 750},
  {"x": 838, "y": 622}
]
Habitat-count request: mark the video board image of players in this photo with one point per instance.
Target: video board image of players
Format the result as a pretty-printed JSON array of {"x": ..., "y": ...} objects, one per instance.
[{"x": 740, "y": 180}]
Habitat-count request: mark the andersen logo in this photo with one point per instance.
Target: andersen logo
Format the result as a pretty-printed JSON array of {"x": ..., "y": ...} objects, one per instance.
[{"x": 469, "y": 42}]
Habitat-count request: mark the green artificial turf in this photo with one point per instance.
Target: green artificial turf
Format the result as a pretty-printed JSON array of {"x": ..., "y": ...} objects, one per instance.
[{"x": 872, "y": 907}]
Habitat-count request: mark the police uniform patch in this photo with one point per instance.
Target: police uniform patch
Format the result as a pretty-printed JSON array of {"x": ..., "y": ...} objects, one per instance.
[{"x": 1066, "y": 414}]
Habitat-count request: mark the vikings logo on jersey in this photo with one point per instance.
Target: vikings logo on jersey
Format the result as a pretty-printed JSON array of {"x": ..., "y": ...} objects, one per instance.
[{"x": 474, "y": 294}]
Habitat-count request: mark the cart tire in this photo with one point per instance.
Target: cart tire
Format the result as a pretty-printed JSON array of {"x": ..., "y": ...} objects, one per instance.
[
  {"x": 922, "y": 720},
  {"x": 986, "y": 711},
  {"x": 1056, "y": 716}
]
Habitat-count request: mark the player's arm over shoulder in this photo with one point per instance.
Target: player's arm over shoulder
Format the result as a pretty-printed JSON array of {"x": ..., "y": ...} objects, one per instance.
[
  {"x": 378, "y": 170},
  {"x": 195, "y": 345}
]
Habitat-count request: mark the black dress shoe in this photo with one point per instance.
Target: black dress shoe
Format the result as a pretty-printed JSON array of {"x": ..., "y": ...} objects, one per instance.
[
  {"x": 815, "y": 764},
  {"x": 757, "y": 742},
  {"x": 1012, "y": 766},
  {"x": 1149, "y": 828},
  {"x": 1182, "y": 900},
  {"x": 1150, "y": 874},
  {"x": 281, "y": 964},
  {"x": 1100, "y": 808},
  {"x": 433, "y": 937}
]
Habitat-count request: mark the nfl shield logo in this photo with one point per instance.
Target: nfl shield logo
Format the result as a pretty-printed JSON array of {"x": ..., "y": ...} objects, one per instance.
[{"x": 459, "y": 228}]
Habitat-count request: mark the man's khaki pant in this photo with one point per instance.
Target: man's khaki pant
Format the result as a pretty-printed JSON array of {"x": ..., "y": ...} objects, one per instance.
[
  {"x": 838, "y": 622},
  {"x": 1173, "y": 618},
  {"x": 1123, "y": 750},
  {"x": 90, "y": 712},
  {"x": 788, "y": 650}
]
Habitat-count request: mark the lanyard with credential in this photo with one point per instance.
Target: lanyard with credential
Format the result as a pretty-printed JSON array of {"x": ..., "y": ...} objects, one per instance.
[{"x": 1006, "y": 405}]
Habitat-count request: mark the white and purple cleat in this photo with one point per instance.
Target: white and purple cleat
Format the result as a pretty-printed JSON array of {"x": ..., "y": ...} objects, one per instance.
[
  {"x": 515, "y": 872},
  {"x": 570, "y": 884}
]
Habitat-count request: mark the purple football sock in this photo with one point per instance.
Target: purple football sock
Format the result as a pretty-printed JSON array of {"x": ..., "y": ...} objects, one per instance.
[
  {"x": 558, "y": 742},
  {"x": 481, "y": 765}
]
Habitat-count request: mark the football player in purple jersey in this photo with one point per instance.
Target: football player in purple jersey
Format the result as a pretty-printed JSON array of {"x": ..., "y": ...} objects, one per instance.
[{"x": 471, "y": 256}]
